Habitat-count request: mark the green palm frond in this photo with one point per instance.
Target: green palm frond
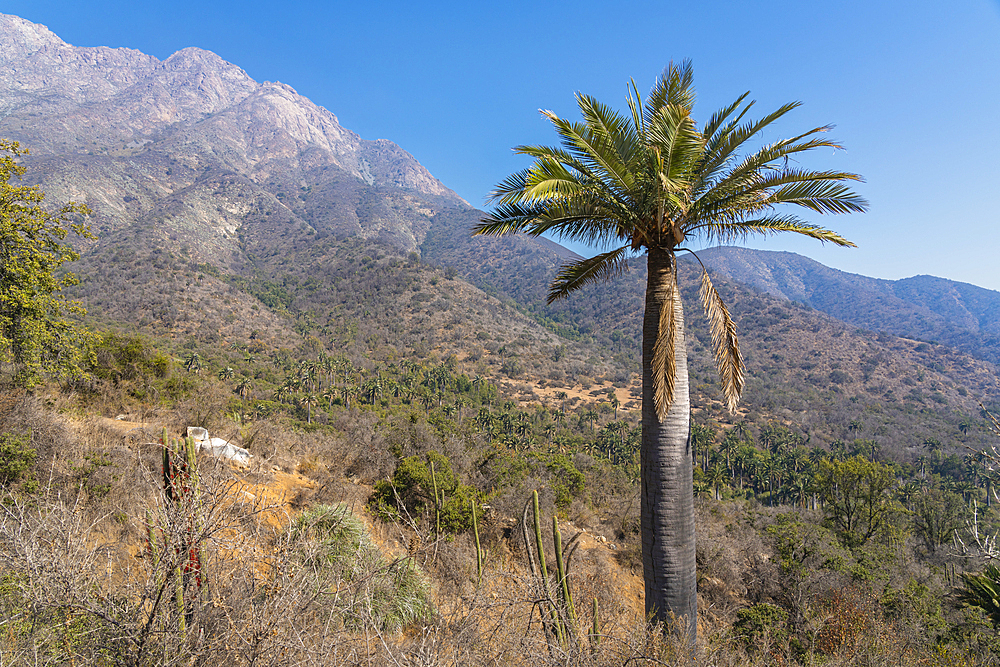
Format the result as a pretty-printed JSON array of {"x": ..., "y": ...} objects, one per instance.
[
  {"x": 574, "y": 275},
  {"x": 725, "y": 344},
  {"x": 739, "y": 230},
  {"x": 983, "y": 591},
  {"x": 721, "y": 123},
  {"x": 819, "y": 194},
  {"x": 675, "y": 137},
  {"x": 510, "y": 218},
  {"x": 549, "y": 180},
  {"x": 592, "y": 153},
  {"x": 674, "y": 87}
]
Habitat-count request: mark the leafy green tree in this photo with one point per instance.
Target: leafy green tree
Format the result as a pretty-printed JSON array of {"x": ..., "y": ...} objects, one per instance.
[
  {"x": 856, "y": 497},
  {"x": 651, "y": 180},
  {"x": 36, "y": 337}
]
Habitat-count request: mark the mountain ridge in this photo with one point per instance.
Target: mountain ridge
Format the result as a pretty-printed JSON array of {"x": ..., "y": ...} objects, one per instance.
[
  {"x": 927, "y": 308},
  {"x": 130, "y": 130}
]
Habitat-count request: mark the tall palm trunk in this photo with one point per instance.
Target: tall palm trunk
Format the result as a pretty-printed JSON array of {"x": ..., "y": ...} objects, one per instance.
[{"x": 668, "y": 548}]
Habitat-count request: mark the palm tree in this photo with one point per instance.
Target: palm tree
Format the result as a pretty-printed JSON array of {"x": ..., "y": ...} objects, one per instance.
[
  {"x": 192, "y": 363},
  {"x": 716, "y": 476},
  {"x": 651, "y": 180},
  {"x": 730, "y": 443},
  {"x": 244, "y": 387},
  {"x": 702, "y": 438},
  {"x": 562, "y": 396},
  {"x": 615, "y": 402},
  {"x": 308, "y": 399}
]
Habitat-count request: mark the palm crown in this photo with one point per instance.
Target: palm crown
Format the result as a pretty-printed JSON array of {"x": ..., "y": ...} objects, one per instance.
[{"x": 651, "y": 179}]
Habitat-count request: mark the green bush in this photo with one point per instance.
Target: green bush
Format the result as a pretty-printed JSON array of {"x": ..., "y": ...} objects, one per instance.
[
  {"x": 566, "y": 481},
  {"x": 760, "y": 621},
  {"x": 16, "y": 457},
  {"x": 122, "y": 357},
  {"x": 411, "y": 491}
]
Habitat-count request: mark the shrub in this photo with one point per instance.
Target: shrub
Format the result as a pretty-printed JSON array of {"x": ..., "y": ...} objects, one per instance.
[
  {"x": 16, "y": 457},
  {"x": 759, "y": 621},
  {"x": 411, "y": 491},
  {"x": 391, "y": 595}
]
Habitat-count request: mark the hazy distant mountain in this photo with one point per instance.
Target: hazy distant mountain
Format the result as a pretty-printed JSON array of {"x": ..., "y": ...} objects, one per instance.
[{"x": 923, "y": 307}]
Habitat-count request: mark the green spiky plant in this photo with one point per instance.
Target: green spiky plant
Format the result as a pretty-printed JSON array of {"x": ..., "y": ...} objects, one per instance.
[
  {"x": 983, "y": 590},
  {"x": 388, "y": 594},
  {"x": 182, "y": 495},
  {"x": 480, "y": 554}
]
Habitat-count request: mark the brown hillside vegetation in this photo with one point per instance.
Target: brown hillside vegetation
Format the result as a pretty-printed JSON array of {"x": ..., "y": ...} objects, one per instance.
[{"x": 279, "y": 587}]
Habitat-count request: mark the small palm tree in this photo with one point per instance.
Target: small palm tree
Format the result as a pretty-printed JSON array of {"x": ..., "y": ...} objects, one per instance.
[
  {"x": 562, "y": 396},
  {"x": 192, "y": 363},
  {"x": 615, "y": 402},
  {"x": 651, "y": 180},
  {"x": 308, "y": 400},
  {"x": 244, "y": 387}
]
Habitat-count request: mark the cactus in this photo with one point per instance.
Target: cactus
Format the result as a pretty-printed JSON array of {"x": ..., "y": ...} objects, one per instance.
[
  {"x": 595, "y": 633},
  {"x": 558, "y": 619},
  {"x": 437, "y": 502},
  {"x": 543, "y": 572},
  {"x": 181, "y": 491},
  {"x": 565, "y": 597}
]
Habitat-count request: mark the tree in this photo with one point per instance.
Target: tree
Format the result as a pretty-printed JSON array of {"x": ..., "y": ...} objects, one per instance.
[
  {"x": 615, "y": 402},
  {"x": 244, "y": 387},
  {"x": 650, "y": 180},
  {"x": 192, "y": 363},
  {"x": 856, "y": 498},
  {"x": 35, "y": 335},
  {"x": 937, "y": 514}
]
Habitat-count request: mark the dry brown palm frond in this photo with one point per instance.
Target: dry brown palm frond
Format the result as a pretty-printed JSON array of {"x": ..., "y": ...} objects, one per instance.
[
  {"x": 664, "y": 362},
  {"x": 725, "y": 344}
]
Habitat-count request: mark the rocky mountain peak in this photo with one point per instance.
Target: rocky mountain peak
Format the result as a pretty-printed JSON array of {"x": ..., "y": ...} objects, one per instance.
[
  {"x": 19, "y": 38},
  {"x": 192, "y": 148}
]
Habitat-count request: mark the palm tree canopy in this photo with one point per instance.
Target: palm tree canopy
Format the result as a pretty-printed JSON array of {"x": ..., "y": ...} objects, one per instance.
[{"x": 649, "y": 179}]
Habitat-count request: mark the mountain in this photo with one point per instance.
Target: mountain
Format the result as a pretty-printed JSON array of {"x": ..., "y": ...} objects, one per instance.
[
  {"x": 231, "y": 211},
  {"x": 191, "y": 149},
  {"x": 925, "y": 308}
]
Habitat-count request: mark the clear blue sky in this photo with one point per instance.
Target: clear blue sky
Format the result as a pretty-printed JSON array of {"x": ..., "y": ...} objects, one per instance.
[{"x": 913, "y": 88}]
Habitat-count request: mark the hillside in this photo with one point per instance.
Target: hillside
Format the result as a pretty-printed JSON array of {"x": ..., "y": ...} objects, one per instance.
[
  {"x": 926, "y": 308},
  {"x": 403, "y": 391},
  {"x": 227, "y": 208}
]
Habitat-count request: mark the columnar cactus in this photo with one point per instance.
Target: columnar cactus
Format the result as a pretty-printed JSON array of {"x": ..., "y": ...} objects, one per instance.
[{"x": 182, "y": 494}]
